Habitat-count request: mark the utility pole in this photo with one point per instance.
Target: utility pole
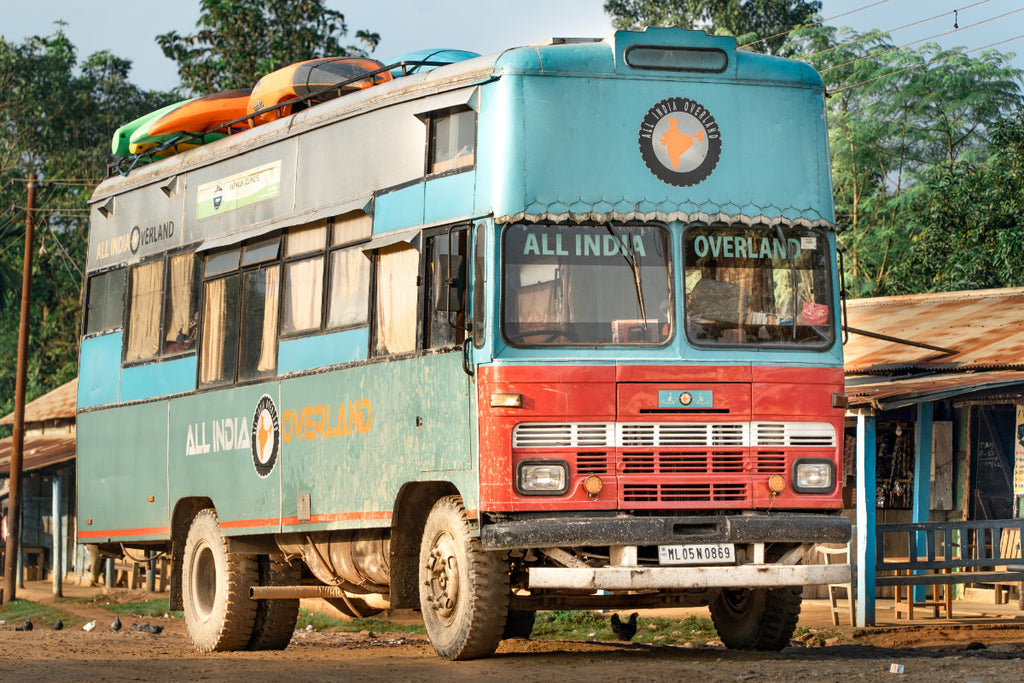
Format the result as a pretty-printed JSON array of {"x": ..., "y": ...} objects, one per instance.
[{"x": 18, "y": 439}]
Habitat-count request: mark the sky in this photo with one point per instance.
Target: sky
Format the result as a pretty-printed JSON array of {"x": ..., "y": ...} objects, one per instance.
[{"x": 128, "y": 28}]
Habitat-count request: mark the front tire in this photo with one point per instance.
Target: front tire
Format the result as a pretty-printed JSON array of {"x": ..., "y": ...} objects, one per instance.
[
  {"x": 463, "y": 589},
  {"x": 215, "y": 588},
  {"x": 757, "y": 619}
]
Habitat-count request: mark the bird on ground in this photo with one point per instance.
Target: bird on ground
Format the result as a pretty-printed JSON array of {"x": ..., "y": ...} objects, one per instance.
[
  {"x": 624, "y": 631},
  {"x": 27, "y": 626},
  {"x": 116, "y": 624},
  {"x": 57, "y": 626},
  {"x": 148, "y": 628},
  {"x": 90, "y": 626}
]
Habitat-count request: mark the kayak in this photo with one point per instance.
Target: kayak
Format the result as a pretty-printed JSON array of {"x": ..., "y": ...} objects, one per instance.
[
  {"x": 119, "y": 145},
  {"x": 203, "y": 113},
  {"x": 438, "y": 56},
  {"x": 303, "y": 78}
]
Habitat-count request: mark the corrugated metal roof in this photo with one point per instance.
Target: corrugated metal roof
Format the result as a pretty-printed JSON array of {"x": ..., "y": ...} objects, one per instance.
[
  {"x": 59, "y": 404},
  {"x": 984, "y": 327},
  {"x": 895, "y": 392},
  {"x": 41, "y": 450}
]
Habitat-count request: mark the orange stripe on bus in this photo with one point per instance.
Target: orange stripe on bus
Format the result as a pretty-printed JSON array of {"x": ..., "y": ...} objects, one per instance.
[{"x": 113, "y": 533}]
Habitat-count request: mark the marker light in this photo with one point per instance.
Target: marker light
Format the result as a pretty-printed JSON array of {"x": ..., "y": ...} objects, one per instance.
[
  {"x": 593, "y": 485},
  {"x": 813, "y": 476},
  {"x": 506, "y": 400},
  {"x": 542, "y": 477},
  {"x": 776, "y": 484}
]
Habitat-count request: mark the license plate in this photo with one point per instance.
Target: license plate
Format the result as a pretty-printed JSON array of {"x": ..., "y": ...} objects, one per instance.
[{"x": 696, "y": 553}]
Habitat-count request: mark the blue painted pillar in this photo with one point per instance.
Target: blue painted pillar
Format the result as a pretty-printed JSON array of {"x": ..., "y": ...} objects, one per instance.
[
  {"x": 922, "y": 479},
  {"x": 865, "y": 504},
  {"x": 58, "y": 558}
]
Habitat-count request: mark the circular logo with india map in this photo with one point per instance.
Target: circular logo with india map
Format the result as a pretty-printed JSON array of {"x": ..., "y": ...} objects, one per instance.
[
  {"x": 680, "y": 141},
  {"x": 266, "y": 436}
]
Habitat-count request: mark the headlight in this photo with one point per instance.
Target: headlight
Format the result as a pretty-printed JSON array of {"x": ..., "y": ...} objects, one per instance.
[
  {"x": 814, "y": 476},
  {"x": 542, "y": 477}
]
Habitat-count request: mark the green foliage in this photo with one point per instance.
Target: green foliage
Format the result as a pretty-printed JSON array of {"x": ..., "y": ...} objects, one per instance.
[
  {"x": 760, "y": 22},
  {"x": 238, "y": 41},
  {"x": 586, "y": 625},
  {"x": 55, "y": 120},
  {"x": 899, "y": 119},
  {"x": 157, "y": 607}
]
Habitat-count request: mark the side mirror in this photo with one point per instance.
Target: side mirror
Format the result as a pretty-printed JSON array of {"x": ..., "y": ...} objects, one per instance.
[{"x": 449, "y": 282}]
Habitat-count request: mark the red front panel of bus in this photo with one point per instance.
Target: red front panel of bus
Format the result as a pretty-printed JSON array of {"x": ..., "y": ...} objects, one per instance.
[{"x": 611, "y": 422}]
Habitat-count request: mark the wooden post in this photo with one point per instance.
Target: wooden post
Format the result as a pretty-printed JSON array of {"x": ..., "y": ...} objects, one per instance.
[
  {"x": 13, "y": 557},
  {"x": 866, "y": 557}
]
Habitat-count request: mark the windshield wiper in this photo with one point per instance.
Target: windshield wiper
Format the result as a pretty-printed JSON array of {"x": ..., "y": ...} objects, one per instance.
[
  {"x": 631, "y": 260},
  {"x": 792, "y": 274}
]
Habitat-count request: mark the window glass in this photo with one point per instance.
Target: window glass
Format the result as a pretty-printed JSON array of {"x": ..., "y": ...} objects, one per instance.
[
  {"x": 350, "y": 288},
  {"x": 757, "y": 286},
  {"x": 445, "y": 328},
  {"x": 304, "y": 291},
  {"x": 258, "y": 349},
  {"x": 479, "y": 263},
  {"x": 306, "y": 239},
  {"x": 144, "y": 311},
  {"x": 452, "y": 140},
  {"x": 397, "y": 292},
  {"x": 586, "y": 284},
  {"x": 351, "y": 227},
  {"x": 261, "y": 251},
  {"x": 106, "y": 301},
  {"x": 222, "y": 262},
  {"x": 218, "y": 354},
  {"x": 181, "y": 319}
]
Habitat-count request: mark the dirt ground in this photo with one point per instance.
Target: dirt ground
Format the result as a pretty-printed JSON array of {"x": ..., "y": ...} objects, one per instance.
[{"x": 975, "y": 647}]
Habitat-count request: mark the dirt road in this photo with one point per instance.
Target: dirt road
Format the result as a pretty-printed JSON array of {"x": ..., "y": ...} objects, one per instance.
[{"x": 936, "y": 654}]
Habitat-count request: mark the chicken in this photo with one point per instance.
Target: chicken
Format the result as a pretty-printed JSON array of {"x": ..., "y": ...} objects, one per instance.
[{"x": 624, "y": 631}]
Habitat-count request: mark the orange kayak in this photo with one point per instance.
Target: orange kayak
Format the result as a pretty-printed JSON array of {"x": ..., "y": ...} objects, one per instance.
[
  {"x": 203, "y": 113},
  {"x": 303, "y": 78}
]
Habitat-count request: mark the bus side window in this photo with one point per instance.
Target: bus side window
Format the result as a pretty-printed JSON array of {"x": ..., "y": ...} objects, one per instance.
[
  {"x": 304, "y": 278},
  {"x": 397, "y": 292},
  {"x": 105, "y": 307},
  {"x": 181, "y": 319},
  {"x": 348, "y": 298},
  {"x": 443, "y": 327},
  {"x": 146, "y": 293},
  {"x": 452, "y": 140}
]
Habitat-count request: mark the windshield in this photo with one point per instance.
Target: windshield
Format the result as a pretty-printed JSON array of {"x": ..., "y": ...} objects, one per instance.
[
  {"x": 586, "y": 284},
  {"x": 746, "y": 286}
]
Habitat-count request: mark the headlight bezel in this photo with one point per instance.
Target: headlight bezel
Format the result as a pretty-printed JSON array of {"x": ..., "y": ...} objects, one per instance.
[
  {"x": 523, "y": 465},
  {"x": 795, "y": 480}
]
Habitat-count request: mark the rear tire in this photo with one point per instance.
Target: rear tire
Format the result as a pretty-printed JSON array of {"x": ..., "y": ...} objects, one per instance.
[
  {"x": 519, "y": 624},
  {"x": 464, "y": 590},
  {"x": 757, "y": 619},
  {"x": 215, "y": 588},
  {"x": 275, "y": 619}
]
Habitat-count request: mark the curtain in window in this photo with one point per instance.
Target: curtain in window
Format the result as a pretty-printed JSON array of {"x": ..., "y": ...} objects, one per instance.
[
  {"x": 397, "y": 269},
  {"x": 179, "y": 321},
  {"x": 303, "y": 302},
  {"x": 211, "y": 356},
  {"x": 268, "y": 344},
  {"x": 350, "y": 288},
  {"x": 144, "y": 313}
]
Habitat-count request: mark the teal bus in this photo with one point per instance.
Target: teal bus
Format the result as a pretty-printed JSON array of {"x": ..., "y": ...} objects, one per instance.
[{"x": 556, "y": 328}]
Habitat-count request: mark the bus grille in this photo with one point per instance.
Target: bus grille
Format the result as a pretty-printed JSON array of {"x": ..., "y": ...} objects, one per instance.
[
  {"x": 673, "y": 434},
  {"x": 667, "y": 462},
  {"x": 685, "y": 493}
]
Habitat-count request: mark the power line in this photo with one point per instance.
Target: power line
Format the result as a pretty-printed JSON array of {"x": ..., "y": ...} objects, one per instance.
[
  {"x": 919, "y": 40},
  {"x": 817, "y": 23},
  {"x": 928, "y": 63}
]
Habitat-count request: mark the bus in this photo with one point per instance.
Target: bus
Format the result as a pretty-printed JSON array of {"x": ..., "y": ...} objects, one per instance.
[{"x": 555, "y": 328}]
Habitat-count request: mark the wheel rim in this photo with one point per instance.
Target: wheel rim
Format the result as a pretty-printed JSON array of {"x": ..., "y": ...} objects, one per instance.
[
  {"x": 204, "y": 582},
  {"x": 443, "y": 577}
]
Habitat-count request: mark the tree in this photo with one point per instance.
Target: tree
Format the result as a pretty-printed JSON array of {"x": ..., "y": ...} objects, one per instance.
[
  {"x": 762, "y": 23},
  {"x": 896, "y": 117},
  {"x": 55, "y": 120},
  {"x": 238, "y": 41}
]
